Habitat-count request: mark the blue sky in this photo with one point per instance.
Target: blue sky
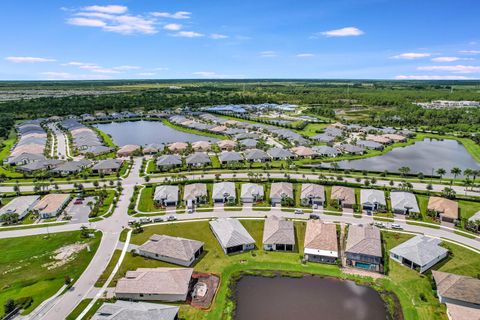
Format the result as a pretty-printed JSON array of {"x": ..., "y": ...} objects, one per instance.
[{"x": 167, "y": 39}]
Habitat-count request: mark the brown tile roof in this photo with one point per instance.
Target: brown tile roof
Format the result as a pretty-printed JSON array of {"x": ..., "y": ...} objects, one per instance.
[
  {"x": 448, "y": 208},
  {"x": 172, "y": 247},
  {"x": 346, "y": 194},
  {"x": 321, "y": 236},
  {"x": 364, "y": 240},
  {"x": 457, "y": 287},
  {"x": 278, "y": 230}
]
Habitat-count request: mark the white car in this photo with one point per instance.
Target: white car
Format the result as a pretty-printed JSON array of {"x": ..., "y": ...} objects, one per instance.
[
  {"x": 298, "y": 211},
  {"x": 396, "y": 226}
]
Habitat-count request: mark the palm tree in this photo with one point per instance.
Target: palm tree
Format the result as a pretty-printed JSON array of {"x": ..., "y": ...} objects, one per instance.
[
  {"x": 468, "y": 173},
  {"x": 455, "y": 171},
  {"x": 404, "y": 171},
  {"x": 441, "y": 172}
]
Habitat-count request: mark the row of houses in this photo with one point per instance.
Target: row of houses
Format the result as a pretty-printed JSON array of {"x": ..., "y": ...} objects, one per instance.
[
  {"x": 85, "y": 139},
  {"x": 50, "y": 206},
  {"x": 30, "y": 145}
]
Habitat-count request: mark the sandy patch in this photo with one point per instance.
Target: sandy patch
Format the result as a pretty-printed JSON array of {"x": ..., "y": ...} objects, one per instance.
[{"x": 64, "y": 255}]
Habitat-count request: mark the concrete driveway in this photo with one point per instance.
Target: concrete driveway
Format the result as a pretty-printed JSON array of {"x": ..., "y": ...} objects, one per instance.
[{"x": 79, "y": 212}]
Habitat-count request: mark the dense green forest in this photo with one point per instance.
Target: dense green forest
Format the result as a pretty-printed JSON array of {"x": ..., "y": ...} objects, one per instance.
[{"x": 377, "y": 102}]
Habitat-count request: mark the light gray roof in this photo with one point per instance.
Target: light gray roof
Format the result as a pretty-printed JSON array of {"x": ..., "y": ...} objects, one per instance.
[
  {"x": 350, "y": 148},
  {"x": 278, "y": 230},
  {"x": 457, "y": 287},
  {"x": 325, "y": 150},
  {"x": 364, "y": 240},
  {"x": 312, "y": 190},
  {"x": 108, "y": 164},
  {"x": 372, "y": 196},
  {"x": 251, "y": 190},
  {"x": 127, "y": 310},
  {"x": 230, "y": 156},
  {"x": 251, "y": 143},
  {"x": 230, "y": 232},
  {"x": 420, "y": 249},
  {"x": 281, "y": 189},
  {"x": 323, "y": 137},
  {"x": 174, "y": 281},
  {"x": 280, "y": 153},
  {"x": 369, "y": 144},
  {"x": 194, "y": 190},
  {"x": 172, "y": 247},
  {"x": 256, "y": 154},
  {"x": 166, "y": 193},
  {"x": 169, "y": 160},
  {"x": 198, "y": 158},
  {"x": 404, "y": 200},
  {"x": 19, "y": 205},
  {"x": 72, "y": 166},
  {"x": 220, "y": 189}
]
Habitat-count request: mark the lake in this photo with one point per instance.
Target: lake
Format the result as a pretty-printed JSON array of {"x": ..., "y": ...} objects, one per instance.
[
  {"x": 147, "y": 132},
  {"x": 422, "y": 156},
  {"x": 306, "y": 298}
]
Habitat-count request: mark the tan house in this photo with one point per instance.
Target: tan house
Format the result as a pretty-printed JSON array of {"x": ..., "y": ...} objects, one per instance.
[
  {"x": 178, "y": 147},
  {"x": 219, "y": 129},
  {"x": 446, "y": 209},
  {"x": 155, "y": 284},
  {"x": 51, "y": 205},
  {"x": 278, "y": 234},
  {"x": 226, "y": 145},
  {"x": 395, "y": 137},
  {"x": 379, "y": 139},
  {"x": 304, "y": 152},
  {"x": 457, "y": 290},
  {"x": 321, "y": 244},
  {"x": 128, "y": 150},
  {"x": 201, "y": 146},
  {"x": 344, "y": 195}
]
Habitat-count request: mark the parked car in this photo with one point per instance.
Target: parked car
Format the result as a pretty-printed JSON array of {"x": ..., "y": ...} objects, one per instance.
[
  {"x": 158, "y": 219},
  {"x": 172, "y": 218},
  {"x": 189, "y": 210},
  {"x": 314, "y": 216},
  {"x": 78, "y": 201},
  {"x": 145, "y": 220},
  {"x": 298, "y": 211},
  {"x": 379, "y": 224},
  {"x": 131, "y": 222},
  {"x": 396, "y": 226}
]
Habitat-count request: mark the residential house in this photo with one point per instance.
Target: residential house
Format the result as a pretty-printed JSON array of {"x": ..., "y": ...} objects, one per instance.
[
  {"x": 201, "y": 146},
  {"x": 227, "y": 145},
  {"x": 155, "y": 284},
  {"x": 71, "y": 167},
  {"x": 224, "y": 192},
  {"x": 404, "y": 202},
  {"x": 198, "y": 159},
  {"x": 178, "y": 147},
  {"x": 169, "y": 249},
  {"x": 312, "y": 194},
  {"x": 280, "y": 154},
  {"x": 278, "y": 234},
  {"x": 364, "y": 248},
  {"x": 128, "y": 310},
  {"x": 128, "y": 150},
  {"x": 228, "y": 157},
  {"x": 345, "y": 196},
  {"x": 280, "y": 191},
  {"x": 372, "y": 199},
  {"x": 303, "y": 152},
  {"x": 378, "y": 139},
  {"x": 372, "y": 145},
  {"x": 251, "y": 192},
  {"x": 20, "y": 206},
  {"x": 107, "y": 166},
  {"x": 321, "y": 243},
  {"x": 232, "y": 235},
  {"x": 248, "y": 143},
  {"x": 457, "y": 290},
  {"x": 446, "y": 209},
  {"x": 169, "y": 161},
  {"x": 395, "y": 137},
  {"x": 419, "y": 253},
  {"x": 51, "y": 205},
  {"x": 323, "y": 137},
  {"x": 152, "y": 148},
  {"x": 325, "y": 151},
  {"x": 350, "y": 149},
  {"x": 166, "y": 195},
  {"x": 194, "y": 193},
  {"x": 256, "y": 155}
]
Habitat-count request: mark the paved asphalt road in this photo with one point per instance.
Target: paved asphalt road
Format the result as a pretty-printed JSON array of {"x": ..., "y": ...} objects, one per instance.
[{"x": 61, "y": 306}]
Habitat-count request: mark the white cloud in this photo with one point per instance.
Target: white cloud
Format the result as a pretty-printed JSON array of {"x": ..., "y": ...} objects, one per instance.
[
  {"x": 453, "y": 69},
  {"x": 172, "y": 26},
  {"x": 177, "y": 15},
  {"x": 212, "y": 75},
  {"x": 305, "y": 55},
  {"x": 427, "y": 77},
  {"x": 445, "y": 59},
  {"x": 188, "y": 34},
  {"x": 411, "y": 55},
  {"x": 127, "y": 68},
  {"x": 92, "y": 67},
  {"x": 268, "y": 54},
  {"x": 112, "y": 9},
  {"x": 146, "y": 74},
  {"x": 17, "y": 59},
  {"x": 343, "y": 32},
  {"x": 53, "y": 75},
  {"x": 218, "y": 36},
  {"x": 469, "y": 52},
  {"x": 113, "y": 19},
  {"x": 161, "y": 69}
]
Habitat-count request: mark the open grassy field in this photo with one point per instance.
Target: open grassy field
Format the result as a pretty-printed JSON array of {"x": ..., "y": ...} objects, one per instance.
[
  {"x": 413, "y": 290},
  {"x": 27, "y": 270}
]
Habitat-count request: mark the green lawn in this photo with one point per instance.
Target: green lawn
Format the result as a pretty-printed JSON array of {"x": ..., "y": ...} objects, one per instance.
[
  {"x": 468, "y": 208},
  {"x": 313, "y": 129},
  {"x": 146, "y": 203},
  {"x": 23, "y": 265},
  {"x": 106, "y": 273},
  {"x": 82, "y": 305}
]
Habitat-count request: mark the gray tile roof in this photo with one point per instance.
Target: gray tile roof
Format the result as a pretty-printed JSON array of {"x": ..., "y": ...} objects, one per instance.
[
  {"x": 421, "y": 250},
  {"x": 194, "y": 191},
  {"x": 198, "y": 158},
  {"x": 108, "y": 164},
  {"x": 230, "y": 232},
  {"x": 281, "y": 190},
  {"x": 372, "y": 196},
  {"x": 230, "y": 156},
  {"x": 169, "y": 160},
  {"x": 250, "y": 190},
  {"x": 127, "y": 310},
  {"x": 172, "y": 247},
  {"x": 325, "y": 150},
  {"x": 457, "y": 287},
  {"x": 404, "y": 200},
  {"x": 364, "y": 240},
  {"x": 220, "y": 189},
  {"x": 166, "y": 193},
  {"x": 256, "y": 154},
  {"x": 278, "y": 230},
  {"x": 312, "y": 191},
  {"x": 280, "y": 153}
]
